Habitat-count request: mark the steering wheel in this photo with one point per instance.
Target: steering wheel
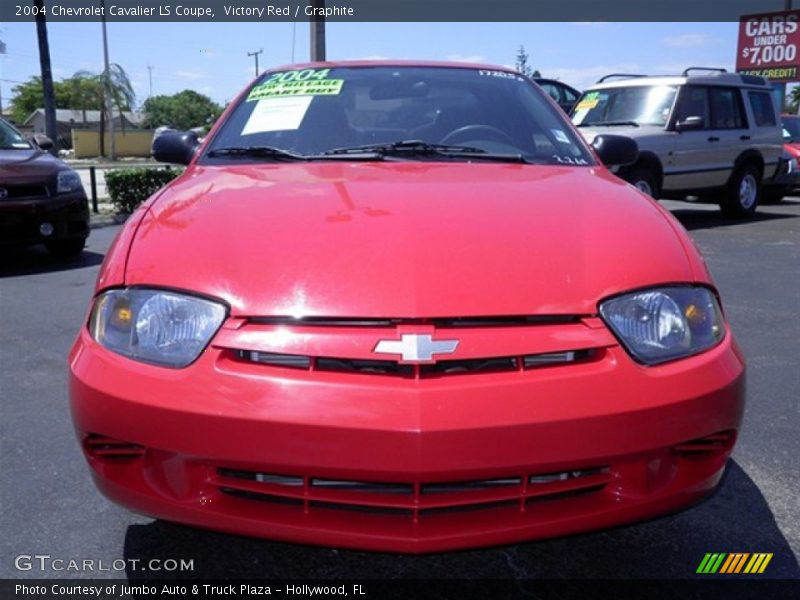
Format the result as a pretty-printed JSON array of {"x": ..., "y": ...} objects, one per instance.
[{"x": 482, "y": 132}]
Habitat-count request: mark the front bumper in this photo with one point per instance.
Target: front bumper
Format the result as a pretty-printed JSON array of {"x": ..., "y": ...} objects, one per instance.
[
  {"x": 420, "y": 465},
  {"x": 20, "y": 219}
]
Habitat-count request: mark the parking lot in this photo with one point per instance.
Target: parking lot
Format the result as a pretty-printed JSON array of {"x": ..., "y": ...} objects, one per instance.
[{"x": 50, "y": 506}]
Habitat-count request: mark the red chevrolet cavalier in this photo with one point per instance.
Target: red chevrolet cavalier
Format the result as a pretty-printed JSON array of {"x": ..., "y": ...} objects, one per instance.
[{"x": 403, "y": 307}]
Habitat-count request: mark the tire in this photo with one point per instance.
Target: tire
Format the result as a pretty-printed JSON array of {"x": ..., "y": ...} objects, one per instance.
[
  {"x": 643, "y": 180},
  {"x": 742, "y": 194},
  {"x": 66, "y": 248}
]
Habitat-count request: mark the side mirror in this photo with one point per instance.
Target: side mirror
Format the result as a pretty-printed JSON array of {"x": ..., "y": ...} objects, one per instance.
[
  {"x": 616, "y": 150},
  {"x": 41, "y": 140},
  {"x": 690, "y": 124},
  {"x": 175, "y": 147}
]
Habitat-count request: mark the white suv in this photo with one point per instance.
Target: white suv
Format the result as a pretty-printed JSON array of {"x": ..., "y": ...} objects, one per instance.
[{"x": 715, "y": 135}]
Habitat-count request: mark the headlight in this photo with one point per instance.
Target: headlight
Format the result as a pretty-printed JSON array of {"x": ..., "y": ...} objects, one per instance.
[
  {"x": 663, "y": 324},
  {"x": 68, "y": 181},
  {"x": 155, "y": 326}
]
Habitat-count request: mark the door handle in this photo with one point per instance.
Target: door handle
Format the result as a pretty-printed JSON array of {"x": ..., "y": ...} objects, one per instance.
[
  {"x": 713, "y": 138},
  {"x": 744, "y": 137}
]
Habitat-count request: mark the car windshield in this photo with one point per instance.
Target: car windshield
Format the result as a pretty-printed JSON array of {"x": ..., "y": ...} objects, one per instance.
[
  {"x": 792, "y": 127},
  {"x": 639, "y": 105},
  {"x": 11, "y": 139},
  {"x": 396, "y": 113}
]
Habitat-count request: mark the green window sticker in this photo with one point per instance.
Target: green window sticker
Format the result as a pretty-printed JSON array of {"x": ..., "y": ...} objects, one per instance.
[{"x": 304, "y": 82}]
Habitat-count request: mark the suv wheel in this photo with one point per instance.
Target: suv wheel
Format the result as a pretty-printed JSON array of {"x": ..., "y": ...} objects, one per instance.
[
  {"x": 643, "y": 180},
  {"x": 66, "y": 248},
  {"x": 743, "y": 194}
]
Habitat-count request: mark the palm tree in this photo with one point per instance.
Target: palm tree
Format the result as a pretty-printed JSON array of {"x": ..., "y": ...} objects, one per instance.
[{"x": 90, "y": 89}]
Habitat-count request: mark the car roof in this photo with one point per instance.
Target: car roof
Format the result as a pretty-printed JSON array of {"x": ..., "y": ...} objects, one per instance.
[
  {"x": 729, "y": 79},
  {"x": 394, "y": 63}
]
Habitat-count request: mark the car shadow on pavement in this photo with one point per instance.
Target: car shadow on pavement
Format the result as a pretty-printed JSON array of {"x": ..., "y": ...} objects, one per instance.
[
  {"x": 705, "y": 218},
  {"x": 734, "y": 519},
  {"x": 33, "y": 260}
]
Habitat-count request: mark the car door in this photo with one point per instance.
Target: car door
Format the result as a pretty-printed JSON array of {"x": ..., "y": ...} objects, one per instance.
[
  {"x": 695, "y": 153},
  {"x": 729, "y": 133}
]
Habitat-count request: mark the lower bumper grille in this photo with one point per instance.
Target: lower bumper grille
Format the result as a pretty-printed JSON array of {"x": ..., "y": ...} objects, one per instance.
[
  {"x": 101, "y": 446},
  {"x": 410, "y": 499}
]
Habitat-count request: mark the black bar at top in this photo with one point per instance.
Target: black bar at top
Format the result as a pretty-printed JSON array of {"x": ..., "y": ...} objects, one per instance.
[{"x": 392, "y": 10}]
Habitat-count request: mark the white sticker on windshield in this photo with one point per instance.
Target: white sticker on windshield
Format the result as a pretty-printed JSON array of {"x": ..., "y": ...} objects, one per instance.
[
  {"x": 560, "y": 136},
  {"x": 277, "y": 114}
]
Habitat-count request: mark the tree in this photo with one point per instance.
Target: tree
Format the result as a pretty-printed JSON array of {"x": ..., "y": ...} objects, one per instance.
[
  {"x": 28, "y": 96},
  {"x": 184, "y": 110},
  {"x": 522, "y": 62},
  {"x": 90, "y": 89}
]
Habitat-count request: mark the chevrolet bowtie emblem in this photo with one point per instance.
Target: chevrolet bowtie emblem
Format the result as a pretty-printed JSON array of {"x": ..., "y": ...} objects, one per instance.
[{"x": 416, "y": 348}]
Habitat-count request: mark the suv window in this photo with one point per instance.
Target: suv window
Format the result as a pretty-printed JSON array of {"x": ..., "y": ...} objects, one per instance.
[
  {"x": 727, "y": 109},
  {"x": 763, "y": 110},
  {"x": 693, "y": 102}
]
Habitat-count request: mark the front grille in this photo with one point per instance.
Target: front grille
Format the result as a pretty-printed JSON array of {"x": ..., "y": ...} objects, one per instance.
[
  {"x": 438, "y": 322},
  {"x": 101, "y": 446},
  {"x": 412, "y": 499},
  {"x": 440, "y": 368},
  {"x": 18, "y": 192}
]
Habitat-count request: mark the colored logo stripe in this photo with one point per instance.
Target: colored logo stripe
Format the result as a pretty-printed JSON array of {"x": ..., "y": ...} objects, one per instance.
[{"x": 734, "y": 563}]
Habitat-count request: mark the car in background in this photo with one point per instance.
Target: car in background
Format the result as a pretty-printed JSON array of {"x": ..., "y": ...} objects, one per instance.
[
  {"x": 789, "y": 182},
  {"x": 705, "y": 134},
  {"x": 566, "y": 96},
  {"x": 403, "y": 306},
  {"x": 42, "y": 200}
]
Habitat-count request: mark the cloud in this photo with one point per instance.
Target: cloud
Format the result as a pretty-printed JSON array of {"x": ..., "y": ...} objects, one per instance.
[
  {"x": 189, "y": 75},
  {"x": 470, "y": 58},
  {"x": 583, "y": 77},
  {"x": 686, "y": 40}
]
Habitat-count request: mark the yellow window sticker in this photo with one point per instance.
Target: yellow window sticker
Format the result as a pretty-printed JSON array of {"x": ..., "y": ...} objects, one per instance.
[{"x": 589, "y": 101}]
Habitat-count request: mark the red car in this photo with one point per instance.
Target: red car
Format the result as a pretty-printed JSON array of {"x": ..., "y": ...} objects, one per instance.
[{"x": 403, "y": 307}]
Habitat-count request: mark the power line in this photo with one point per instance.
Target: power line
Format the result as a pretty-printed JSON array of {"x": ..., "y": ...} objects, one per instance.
[{"x": 255, "y": 54}]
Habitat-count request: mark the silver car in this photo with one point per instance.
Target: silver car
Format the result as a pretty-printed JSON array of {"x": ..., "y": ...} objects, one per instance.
[{"x": 707, "y": 134}]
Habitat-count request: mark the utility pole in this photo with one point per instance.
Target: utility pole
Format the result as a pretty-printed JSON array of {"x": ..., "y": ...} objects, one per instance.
[
  {"x": 150, "y": 77},
  {"x": 108, "y": 100},
  {"x": 255, "y": 55},
  {"x": 47, "y": 77},
  {"x": 317, "y": 33}
]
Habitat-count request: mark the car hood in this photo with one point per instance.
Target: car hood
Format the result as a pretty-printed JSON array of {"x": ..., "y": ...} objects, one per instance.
[
  {"x": 637, "y": 132},
  {"x": 31, "y": 165},
  {"x": 405, "y": 239}
]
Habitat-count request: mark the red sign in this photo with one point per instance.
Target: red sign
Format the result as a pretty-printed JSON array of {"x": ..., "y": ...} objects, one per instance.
[{"x": 768, "y": 45}]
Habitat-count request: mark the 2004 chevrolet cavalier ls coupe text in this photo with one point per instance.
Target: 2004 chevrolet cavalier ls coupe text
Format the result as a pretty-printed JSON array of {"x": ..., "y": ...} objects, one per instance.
[{"x": 403, "y": 307}]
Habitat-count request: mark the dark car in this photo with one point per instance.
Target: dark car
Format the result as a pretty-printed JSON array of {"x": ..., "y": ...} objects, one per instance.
[
  {"x": 42, "y": 200},
  {"x": 565, "y": 95}
]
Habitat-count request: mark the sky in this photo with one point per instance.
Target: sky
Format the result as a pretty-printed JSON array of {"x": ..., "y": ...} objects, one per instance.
[{"x": 212, "y": 57}]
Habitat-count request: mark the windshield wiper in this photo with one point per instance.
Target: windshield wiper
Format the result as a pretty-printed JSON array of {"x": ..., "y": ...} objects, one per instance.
[
  {"x": 609, "y": 124},
  {"x": 406, "y": 147},
  {"x": 420, "y": 148},
  {"x": 256, "y": 151}
]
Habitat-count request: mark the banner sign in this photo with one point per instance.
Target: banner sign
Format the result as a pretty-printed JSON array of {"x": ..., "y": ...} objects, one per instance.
[{"x": 768, "y": 45}]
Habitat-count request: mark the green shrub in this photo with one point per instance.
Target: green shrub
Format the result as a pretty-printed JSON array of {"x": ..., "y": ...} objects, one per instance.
[{"x": 128, "y": 188}]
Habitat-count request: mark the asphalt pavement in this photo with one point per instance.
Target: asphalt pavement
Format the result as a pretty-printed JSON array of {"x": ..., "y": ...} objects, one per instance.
[{"x": 50, "y": 506}]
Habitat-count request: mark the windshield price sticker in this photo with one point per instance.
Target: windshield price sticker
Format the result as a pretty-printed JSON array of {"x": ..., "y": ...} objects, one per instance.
[{"x": 325, "y": 87}]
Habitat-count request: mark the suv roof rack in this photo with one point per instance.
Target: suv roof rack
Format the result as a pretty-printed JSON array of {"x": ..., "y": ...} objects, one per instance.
[
  {"x": 714, "y": 69},
  {"x": 620, "y": 75}
]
